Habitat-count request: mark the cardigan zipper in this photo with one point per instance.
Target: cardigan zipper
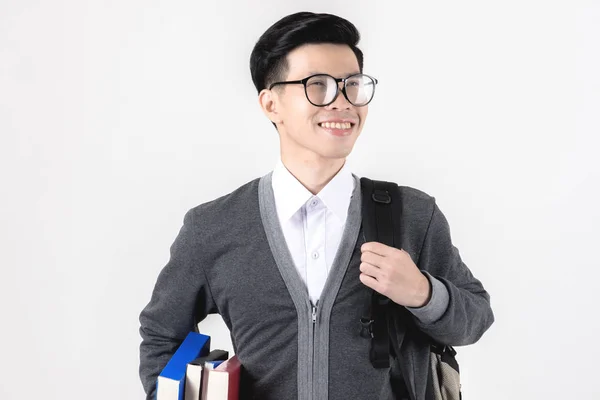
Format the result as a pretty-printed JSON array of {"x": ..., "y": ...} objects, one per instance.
[{"x": 315, "y": 310}]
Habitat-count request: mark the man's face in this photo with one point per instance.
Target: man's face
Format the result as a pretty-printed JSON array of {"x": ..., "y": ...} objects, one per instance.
[{"x": 299, "y": 122}]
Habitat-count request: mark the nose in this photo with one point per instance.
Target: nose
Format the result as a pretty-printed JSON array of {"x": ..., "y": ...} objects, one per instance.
[{"x": 340, "y": 102}]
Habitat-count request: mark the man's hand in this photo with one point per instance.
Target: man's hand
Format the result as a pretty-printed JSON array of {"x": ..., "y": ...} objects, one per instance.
[{"x": 392, "y": 272}]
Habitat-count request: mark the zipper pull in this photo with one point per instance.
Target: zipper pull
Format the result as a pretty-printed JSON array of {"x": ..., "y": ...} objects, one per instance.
[{"x": 314, "y": 312}]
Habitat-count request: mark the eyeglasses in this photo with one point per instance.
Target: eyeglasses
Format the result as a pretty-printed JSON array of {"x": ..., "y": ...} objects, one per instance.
[{"x": 321, "y": 89}]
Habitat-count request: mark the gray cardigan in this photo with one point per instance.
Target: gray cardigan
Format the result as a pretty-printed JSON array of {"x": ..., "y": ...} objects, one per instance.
[{"x": 230, "y": 257}]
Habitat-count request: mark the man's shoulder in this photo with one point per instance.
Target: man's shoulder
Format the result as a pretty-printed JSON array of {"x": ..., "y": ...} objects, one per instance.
[
  {"x": 413, "y": 194},
  {"x": 241, "y": 200},
  {"x": 416, "y": 204}
]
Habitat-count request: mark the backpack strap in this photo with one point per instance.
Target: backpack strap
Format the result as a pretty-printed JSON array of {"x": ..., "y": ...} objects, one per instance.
[
  {"x": 381, "y": 221},
  {"x": 381, "y": 212}
]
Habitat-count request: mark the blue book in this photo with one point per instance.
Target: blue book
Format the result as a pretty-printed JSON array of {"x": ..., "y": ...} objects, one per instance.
[{"x": 171, "y": 381}]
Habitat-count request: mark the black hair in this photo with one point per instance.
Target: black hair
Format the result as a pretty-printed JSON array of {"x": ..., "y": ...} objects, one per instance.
[{"x": 268, "y": 62}]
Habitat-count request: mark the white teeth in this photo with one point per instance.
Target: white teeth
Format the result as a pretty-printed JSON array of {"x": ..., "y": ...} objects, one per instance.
[{"x": 336, "y": 125}]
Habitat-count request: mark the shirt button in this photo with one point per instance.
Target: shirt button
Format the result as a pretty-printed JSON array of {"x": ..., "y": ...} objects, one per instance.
[
  {"x": 315, "y": 255},
  {"x": 314, "y": 202}
]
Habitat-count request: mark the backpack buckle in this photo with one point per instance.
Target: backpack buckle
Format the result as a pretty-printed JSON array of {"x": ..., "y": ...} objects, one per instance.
[
  {"x": 381, "y": 196},
  {"x": 366, "y": 329}
]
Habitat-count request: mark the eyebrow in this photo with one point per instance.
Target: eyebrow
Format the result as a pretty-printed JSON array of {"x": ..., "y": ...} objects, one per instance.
[{"x": 324, "y": 73}]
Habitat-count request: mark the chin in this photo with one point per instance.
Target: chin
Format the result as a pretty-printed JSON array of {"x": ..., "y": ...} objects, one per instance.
[{"x": 334, "y": 154}]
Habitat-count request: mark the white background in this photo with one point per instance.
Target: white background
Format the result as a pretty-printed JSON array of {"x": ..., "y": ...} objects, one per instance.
[{"x": 116, "y": 117}]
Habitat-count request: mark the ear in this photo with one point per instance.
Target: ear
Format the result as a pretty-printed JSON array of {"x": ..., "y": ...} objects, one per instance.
[{"x": 268, "y": 101}]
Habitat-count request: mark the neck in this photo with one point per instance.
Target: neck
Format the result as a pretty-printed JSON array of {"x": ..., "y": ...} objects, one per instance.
[{"x": 313, "y": 174}]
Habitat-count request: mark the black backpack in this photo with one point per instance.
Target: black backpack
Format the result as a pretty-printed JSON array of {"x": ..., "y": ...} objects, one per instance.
[{"x": 382, "y": 222}]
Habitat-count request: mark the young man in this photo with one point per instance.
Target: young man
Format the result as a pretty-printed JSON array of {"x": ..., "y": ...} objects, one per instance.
[{"x": 283, "y": 259}]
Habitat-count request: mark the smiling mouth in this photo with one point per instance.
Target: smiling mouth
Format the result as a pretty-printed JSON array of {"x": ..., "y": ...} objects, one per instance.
[
  {"x": 337, "y": 125},
  {"x": 338, "y": 129}
]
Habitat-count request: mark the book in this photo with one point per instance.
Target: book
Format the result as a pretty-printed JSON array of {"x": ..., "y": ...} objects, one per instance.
[
  {"x": 193, "y": 375},
  {"x": 213, "y": 364},
  {"x": 223, "y": 382},
  {"x": 171, "y": 381}
]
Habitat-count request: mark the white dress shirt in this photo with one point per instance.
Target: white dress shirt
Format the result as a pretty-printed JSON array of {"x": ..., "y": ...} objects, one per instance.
[
  {"x": 313, "y": 228},
  {"x": 312, "y": 225}
]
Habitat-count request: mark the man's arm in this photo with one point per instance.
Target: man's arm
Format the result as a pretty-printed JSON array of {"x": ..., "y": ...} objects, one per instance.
[
  {"x": 468, "y": 313},
  {"x": 180, "y": 300}
]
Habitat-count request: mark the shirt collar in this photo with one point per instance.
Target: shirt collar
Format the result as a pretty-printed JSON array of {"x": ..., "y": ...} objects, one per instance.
[{"x": 290, "y": 195}]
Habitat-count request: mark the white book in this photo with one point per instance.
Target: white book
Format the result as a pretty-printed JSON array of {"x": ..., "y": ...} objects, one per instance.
[
  {"x": 167, "y": 388},
  {"x": 193, "y": 382},
  {"x": 194, "y": 372}
]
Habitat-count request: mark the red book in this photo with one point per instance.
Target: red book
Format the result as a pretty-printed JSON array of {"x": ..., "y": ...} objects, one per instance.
[{"x": 223, "y": 382}]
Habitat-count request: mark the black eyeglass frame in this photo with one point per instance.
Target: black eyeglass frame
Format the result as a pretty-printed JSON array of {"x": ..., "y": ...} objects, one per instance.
[{"x": 337, "y": 87}]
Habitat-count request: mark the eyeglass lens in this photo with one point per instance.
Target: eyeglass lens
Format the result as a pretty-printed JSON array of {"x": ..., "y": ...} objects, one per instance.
[{"x": 321, "y": 89}]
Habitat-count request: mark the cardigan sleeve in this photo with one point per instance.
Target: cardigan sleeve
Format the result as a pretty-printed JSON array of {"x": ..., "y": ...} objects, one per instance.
[
  {"x": 437, "y": 305},
  {"x": 468, "y": 313},
  {"x": 180, "y": 300}
]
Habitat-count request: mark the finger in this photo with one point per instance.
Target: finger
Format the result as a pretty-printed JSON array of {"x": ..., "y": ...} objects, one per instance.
[
  {"x": 377, "y": 248},
  {"x": 370, "y": 270},
  {"x": 369, "y": 281},
  {"x": 372, "y": 258}
]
